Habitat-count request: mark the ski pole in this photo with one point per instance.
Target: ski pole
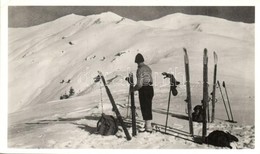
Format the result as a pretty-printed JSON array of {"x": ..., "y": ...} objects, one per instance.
[
  {"x": 169, "y": 100},
  {"x": 223, "y": 100},
  {"x": 224, "y": 85},
  {"x": 128, "y": 102}
]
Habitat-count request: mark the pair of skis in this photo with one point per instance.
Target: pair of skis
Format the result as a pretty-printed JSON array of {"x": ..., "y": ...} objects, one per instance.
[
  {"x": 205, "y": 101},
  {"x": 230, "y": 110}
]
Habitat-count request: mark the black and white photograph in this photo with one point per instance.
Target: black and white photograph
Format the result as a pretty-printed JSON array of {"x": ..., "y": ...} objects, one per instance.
[{"x": 131, "y": 77}]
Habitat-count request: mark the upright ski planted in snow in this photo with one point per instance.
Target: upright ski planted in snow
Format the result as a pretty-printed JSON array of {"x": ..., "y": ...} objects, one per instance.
[
  {"x": 214, "y": 87},
  {"x": 205, "y": 93},
  {"x": 187, "y": 74},
  {"x": 130, "y": 80},
  {"x": 119, "y": 117}
]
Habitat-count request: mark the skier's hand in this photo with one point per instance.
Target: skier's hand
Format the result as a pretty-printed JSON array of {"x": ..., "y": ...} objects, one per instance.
[{"x": 132, "y": 90}]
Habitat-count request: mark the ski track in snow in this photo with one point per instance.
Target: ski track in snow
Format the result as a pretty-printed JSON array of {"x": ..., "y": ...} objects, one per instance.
[{"x": 44, "y": 55}]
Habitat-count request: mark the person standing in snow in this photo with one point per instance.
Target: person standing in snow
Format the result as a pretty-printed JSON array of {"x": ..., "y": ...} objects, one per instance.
[{"x": 145, "y": 89}]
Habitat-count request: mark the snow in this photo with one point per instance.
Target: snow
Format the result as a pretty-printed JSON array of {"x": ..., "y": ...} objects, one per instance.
[
  {"x": 199, "y": 23},
  {"x": 76, "y": 47}
]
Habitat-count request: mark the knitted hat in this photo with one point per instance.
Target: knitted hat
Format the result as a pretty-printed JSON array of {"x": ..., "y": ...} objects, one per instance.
[{"x": 139, "y": 58}]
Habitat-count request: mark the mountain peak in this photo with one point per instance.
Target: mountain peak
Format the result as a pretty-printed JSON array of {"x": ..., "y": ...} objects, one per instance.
[
  {"x": 70, "y": 17},
  {"x": 107, "y": 16}
]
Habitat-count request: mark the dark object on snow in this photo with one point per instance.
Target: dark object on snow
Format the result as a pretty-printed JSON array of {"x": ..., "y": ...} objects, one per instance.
[
  {"x": 139, "y": 58},
  {"x": 107, "y": 125},
  {"x": 119, "y": 53},
  {"x": 197, "y": 114},
  {"x": 103, "y": 59},
  {"x": 65, "y": 96},
  {"x": 97, "y": 79},
  {"x": 68, "y": 81},
  {"x": 220, "y": 139},
  {"x": 173, "y": 83},
  {"x": 62, "y": 81},
  {"x": 72, "y": 92},
  {"x": 70, "y": 43}
]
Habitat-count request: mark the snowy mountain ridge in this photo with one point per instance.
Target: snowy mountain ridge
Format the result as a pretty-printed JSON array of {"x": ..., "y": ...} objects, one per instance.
[
  {"x": 66, "y": 48},
  {"x": 46, "y": 60},
  {"x": 199, "y": 23}
]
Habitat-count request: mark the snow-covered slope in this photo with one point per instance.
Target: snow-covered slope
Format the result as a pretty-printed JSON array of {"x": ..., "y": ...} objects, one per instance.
[
  {"x": 73, "y": 48},
  {"x": 49, "y": 55},
  {"x": 210, "y": 25}
]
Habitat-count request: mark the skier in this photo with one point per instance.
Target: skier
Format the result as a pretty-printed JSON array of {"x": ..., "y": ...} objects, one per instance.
[{"x": 145, "y": 89}]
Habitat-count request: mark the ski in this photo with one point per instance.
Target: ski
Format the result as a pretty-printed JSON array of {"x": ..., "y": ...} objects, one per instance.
[
  {"x": 130, "y": 80},
  {"x": 171, "y": 131},
  {"x": 115, "y": 109},
  {"x": 214, "y": 87},
  {"x": 205, "y": 94},
  {"x": 223, "y": 100},
  {"x": 232, "y": 119},
  {"x": 187, "y": 74}
]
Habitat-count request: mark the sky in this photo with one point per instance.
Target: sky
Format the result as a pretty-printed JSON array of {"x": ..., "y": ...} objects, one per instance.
[{"x": 25, "y": 16}]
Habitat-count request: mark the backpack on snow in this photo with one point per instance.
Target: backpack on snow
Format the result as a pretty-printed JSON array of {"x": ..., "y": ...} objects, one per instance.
[
  {"x": 107, "y": 125},
  {"x": 197, "y": 114},
  {"x": 220, "y": 138}
]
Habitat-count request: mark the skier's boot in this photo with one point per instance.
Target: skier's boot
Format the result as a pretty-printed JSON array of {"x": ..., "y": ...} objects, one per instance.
[
  {"x": 148, "y": 126},
  {"x": 141, "y": 128}
]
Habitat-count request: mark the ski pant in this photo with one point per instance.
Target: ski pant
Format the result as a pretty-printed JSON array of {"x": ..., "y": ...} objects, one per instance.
[{"x": 146, "y": 94}]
